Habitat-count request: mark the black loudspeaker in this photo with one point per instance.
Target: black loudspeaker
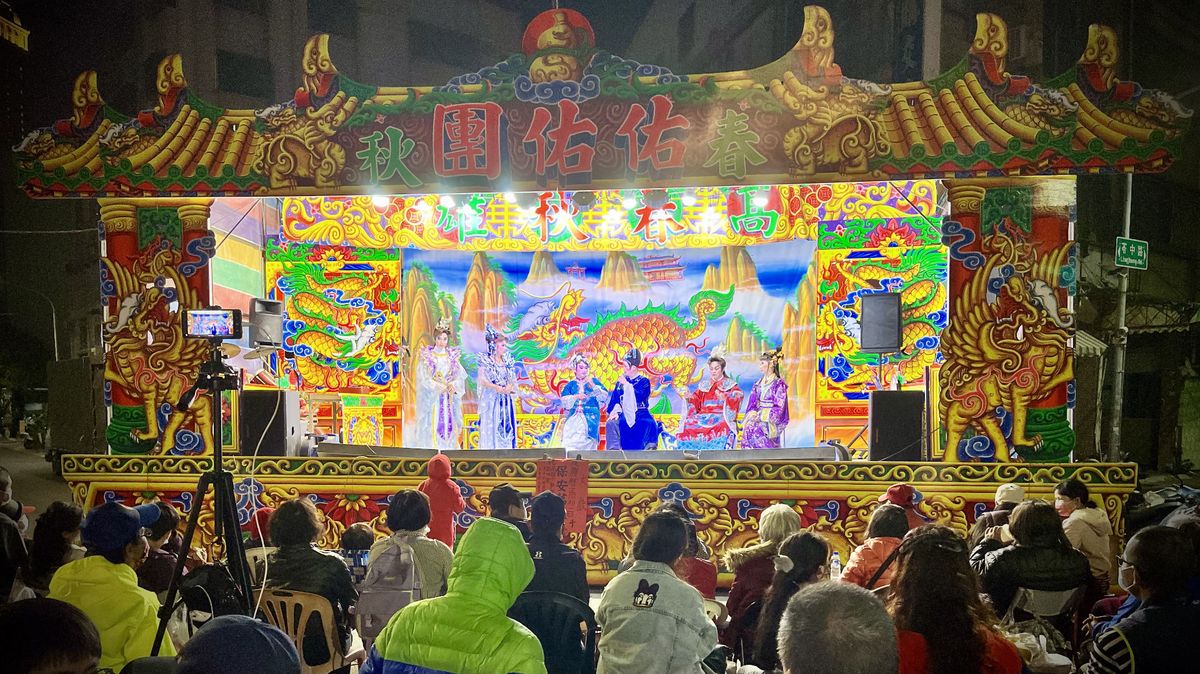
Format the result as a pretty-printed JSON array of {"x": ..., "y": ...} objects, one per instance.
[
  {"x": 880, "y": 323},
  {"x": 282, "y": 409},
  {"x": 266, "y": 323},
  {"x": 896, "y": 420}
]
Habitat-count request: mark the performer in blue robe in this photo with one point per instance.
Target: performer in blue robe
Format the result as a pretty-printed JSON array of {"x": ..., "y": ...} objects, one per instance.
[
  {"x": 629, "y": 409},
  {"x": 581, "y": 401}
]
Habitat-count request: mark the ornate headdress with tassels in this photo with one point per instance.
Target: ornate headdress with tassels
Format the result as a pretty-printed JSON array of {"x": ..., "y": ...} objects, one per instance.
[
  {"x": 443, "y": 325},
  {"x": 577, "y": 359},
  {"x": 633, "y": 357},
  {"x": 717, "y": 355}
]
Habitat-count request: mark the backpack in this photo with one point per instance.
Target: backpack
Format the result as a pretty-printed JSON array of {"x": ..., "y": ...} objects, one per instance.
[
  {"x": 392, "y": 583},
  {"x": 209, "y": 591}
]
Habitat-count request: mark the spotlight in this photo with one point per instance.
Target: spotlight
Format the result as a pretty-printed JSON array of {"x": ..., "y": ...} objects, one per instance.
[
  {"x": 583, "y": 200},
  {"x": 759, "y": 201},
  {"x": 510, "y": 197},
  {"x": 381, "y": 201},
  {"x": 628, "y": 203},
  {"x": 447, "y": 201},
  {"x": 424, "y": 206},
  {"x": 689, "y": 198},
  {"x": 655, "y": 198}
]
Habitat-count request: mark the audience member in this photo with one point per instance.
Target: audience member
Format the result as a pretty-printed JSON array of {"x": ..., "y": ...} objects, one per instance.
[
  {"x": 872, "y": 564},
  {"x": 694, "y": 566},
  {"x": 156, "y": 572},
  {"x": 753, "y": 569},
  {"x": 258, "y": 529},
  {"x": 297, "y": 564},
  {"x": 236, "y": 643},
  {"x": 942, "y": 625},
  {"x": 9, "y": 506},
  {"x": 467, "y": 630},
  {"x": 104, "y": 583},
  {"x": 357, "y": 540},
  {"x": 54, "y": 543},
  {"x": 1087, "y": 527},
  {"x": 445, "y": 499},
  {"x": 1007, "y": 497},
  {"x": 47, "y": 636},
  {"x": 508, "y": 505},
  {"x": 650, "y": 620},
  {"x": 1161, "y": 634},
  {"x": 803, "y": 559},
  {"x": 836, "y": 628},
  {"x": 557, "y": 567},
  {"x": 408, "y": 517},
  {"x": 13, "y": 555},
  {"x": 907, "y": 497},
  {"x": 1041, "y": 557}
]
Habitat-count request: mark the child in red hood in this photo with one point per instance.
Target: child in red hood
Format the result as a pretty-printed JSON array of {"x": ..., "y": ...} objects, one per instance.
[{"x": 445, "y": 499}]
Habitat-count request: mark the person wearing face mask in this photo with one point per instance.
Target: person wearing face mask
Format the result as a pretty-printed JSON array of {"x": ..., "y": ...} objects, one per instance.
[
  {"x": 1161, "y": 634},
  {"x": 104, "y": 584}
]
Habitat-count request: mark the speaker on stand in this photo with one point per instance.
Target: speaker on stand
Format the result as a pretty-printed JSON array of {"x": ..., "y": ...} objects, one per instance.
[{"x": 895, "y": 419}]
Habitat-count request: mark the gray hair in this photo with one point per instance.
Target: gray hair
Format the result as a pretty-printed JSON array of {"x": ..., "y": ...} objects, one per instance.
[{"x": 836, "y": 628}]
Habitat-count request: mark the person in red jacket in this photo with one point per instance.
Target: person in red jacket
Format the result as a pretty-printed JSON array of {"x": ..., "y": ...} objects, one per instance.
[{"x": 445, "y": 499}]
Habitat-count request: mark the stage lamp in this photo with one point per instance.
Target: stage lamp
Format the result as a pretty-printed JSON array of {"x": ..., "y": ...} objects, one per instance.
[
  {"x": 510, "y": 197},
  {"x": 655, "y": 198},
  {"x": 583, "y": 200},
  {"x": 689, "y": 198},
  {"x": 759, "y": 201},
  {"x": 381, "y": 201},
  {"x": 628, "y": 203},
  {"x": 446, "y": 201}
]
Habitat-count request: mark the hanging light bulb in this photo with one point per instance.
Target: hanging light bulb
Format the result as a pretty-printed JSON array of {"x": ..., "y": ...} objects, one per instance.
[
  {"x": 447, "y": 201},
  {"x": 689, "y": 198},
  {"x": 759, "y": 201},
  {"x": 381, "y": 201},
  {"x": 510, "y": 197},
  {"x": 628, "y": 203}
]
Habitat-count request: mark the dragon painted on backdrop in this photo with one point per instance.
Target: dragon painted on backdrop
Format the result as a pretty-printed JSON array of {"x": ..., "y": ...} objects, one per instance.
[
  {"x": 148, "y": 356},
  {"x": 334, "y": 327},
  {"x": 919, "y": 274},
  {"x": 1008, "y": 349},
  {"x": 657, "y": 331}
]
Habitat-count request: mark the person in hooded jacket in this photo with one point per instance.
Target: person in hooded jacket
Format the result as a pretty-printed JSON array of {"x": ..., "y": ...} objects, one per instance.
[
  {"x": 468, "y": 630},
  {"x": 445, "y": 499},
  {"x": 752, "y": 573},
  {"x": 557, "y": 566},
  {"x": 1041, "y": 557},
  {"x": 1086, "y": 526},
  {"x": 889, "y": 524},
  {"x": 104, "y": 584}
]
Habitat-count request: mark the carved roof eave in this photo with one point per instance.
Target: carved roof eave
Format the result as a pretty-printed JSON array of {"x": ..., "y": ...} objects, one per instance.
[{"x": 977, "y": 119}]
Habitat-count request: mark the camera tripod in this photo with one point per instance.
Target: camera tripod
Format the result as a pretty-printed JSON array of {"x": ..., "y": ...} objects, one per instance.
[{"x": 214, "y": 377}]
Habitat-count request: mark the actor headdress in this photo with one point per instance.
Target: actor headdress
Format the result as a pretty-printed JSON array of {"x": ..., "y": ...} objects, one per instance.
[
  {"x": 633, "y": 357},
  {"x": 717, "y": 355},
  {"x": 443, "y": 325},
  {"x": 492, "y": 336},
  {"x": 577, "y": 359},
  {"x": 775, "y": 356}
]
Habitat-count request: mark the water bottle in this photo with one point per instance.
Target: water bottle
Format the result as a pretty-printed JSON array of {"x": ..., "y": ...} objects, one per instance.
[{"x": 835, "y": 567}]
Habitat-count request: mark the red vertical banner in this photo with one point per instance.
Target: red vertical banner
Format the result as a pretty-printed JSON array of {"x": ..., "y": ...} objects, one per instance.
[{"x": 568, "y": 479}]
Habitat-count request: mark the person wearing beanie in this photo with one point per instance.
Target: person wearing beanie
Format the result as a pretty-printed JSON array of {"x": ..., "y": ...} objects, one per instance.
[
  {"x": 238, "y": 643},
  {"x": 905, "y": 496},
  {"x": 104, "y": 584},
  {"x": 556, "y": 567},
  {"x": 445, "y": 499},
  {"x": 1008, "y": 496}
]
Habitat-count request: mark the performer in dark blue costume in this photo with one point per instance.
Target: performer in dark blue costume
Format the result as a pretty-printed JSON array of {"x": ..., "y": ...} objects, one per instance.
[{"x": 629, "y": 409}]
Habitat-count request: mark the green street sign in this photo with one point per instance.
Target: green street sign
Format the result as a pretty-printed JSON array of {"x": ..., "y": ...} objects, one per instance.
[{"x": 1132, "y": 253}]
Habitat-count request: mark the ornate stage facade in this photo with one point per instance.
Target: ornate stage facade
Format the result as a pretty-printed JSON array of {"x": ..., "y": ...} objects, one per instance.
[
  {"x": 587, "y": 204},
  {"x": 725, "y": 497}
]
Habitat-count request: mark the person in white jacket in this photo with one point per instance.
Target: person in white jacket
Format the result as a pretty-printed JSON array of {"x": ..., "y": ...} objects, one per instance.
[
  {"x": 1086, "y": 526},
  {"x": 650, "y": 619}
]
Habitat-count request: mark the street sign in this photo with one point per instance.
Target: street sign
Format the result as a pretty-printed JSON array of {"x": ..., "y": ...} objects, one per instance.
[{"x": 1132, "y": 253}]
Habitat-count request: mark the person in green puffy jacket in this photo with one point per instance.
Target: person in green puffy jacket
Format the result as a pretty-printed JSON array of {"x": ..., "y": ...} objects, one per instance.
[{"x": 467, "y": 631}]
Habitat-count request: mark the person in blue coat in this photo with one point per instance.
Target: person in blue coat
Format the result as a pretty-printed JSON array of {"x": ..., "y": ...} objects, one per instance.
[{"x": 629, "y": 408}]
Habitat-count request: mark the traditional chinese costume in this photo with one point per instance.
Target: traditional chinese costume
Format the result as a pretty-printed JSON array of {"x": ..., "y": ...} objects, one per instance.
[
  {"x": 581, "y": 425},
  {"x": 440, "y": 384},
  {"x": 497, "y": 412},
  {"x": 711, "y": 419},
  {"x": 636, "y": 427},
  {"x": 766, "y": 414}
]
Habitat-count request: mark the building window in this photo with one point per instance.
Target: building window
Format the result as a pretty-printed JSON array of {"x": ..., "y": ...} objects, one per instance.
[
  {"x": 335, "y": 17},
  {"x": 246, "y": 75},
  {"x": 444, "y": 45}
]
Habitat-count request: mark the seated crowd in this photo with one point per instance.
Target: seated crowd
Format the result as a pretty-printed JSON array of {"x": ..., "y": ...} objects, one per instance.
[{"x": 911, "y": 600}]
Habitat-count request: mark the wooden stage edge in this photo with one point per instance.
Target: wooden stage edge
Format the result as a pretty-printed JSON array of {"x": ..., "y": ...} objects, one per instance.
[{"x": 725, "y": 494}]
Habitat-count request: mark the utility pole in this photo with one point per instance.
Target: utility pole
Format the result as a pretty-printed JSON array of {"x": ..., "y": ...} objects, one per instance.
[{"x": 1113, "y": 451}]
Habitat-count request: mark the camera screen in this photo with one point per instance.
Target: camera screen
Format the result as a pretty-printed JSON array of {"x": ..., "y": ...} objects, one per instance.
[{"x": 213, "y": 323}]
